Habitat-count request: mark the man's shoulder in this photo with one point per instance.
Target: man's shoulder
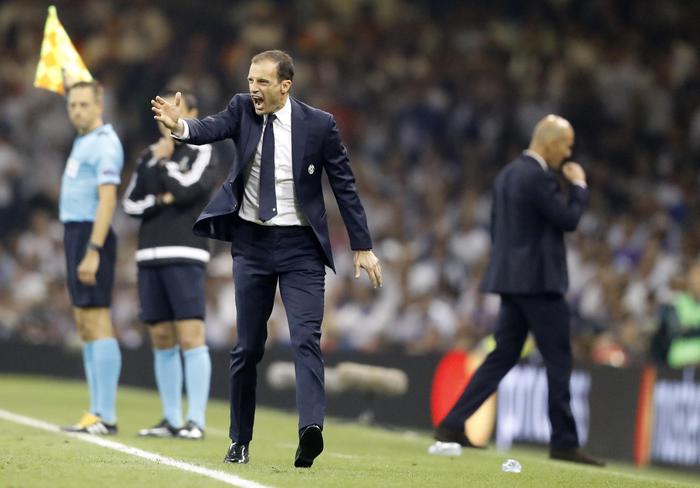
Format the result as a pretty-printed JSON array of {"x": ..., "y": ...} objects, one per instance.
[
  {"x": 522, "y": 172},
  {"x": 241, "y": 106},
  {"x": 310, "y": 111},
  {"x": 241, "y": 100},
  {"x": 106, "y": 130},
  {"x": 526, "y": 166},
  {"x": 106, "y": 135}
]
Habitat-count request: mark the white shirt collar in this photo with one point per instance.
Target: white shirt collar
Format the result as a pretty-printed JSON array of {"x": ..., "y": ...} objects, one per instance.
[
  {"x": 284, "y": 115},
  {"x": 536, "y": 157}
]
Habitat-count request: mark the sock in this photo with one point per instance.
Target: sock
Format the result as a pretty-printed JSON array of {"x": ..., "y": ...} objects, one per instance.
[
  {"x": 107, "y": 363},
  {"x": 168, "y": 369},
  {"x": 88, "y": 364},
  {"x": 197, "y": 380}
]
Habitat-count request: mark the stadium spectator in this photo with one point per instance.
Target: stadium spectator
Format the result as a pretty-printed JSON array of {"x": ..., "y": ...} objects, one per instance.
[
  {"x": 11, "y": 169},
  {"x": 682, "y": 323}
]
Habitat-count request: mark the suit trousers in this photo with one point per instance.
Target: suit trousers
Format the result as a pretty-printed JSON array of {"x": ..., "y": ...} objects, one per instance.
[
  {"x": 262, "y": 257},
  {"x": 548, "y": 317}
]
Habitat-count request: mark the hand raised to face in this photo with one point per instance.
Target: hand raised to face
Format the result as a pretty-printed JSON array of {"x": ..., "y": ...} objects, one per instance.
[{"x": 574, "y": 173}]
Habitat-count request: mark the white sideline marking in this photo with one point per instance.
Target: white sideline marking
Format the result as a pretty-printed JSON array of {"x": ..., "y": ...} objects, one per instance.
[{"x": 133, "y": 451}]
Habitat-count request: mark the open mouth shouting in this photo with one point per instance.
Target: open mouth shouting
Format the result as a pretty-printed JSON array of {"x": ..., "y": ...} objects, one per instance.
[{"x": 258, "y": 102}]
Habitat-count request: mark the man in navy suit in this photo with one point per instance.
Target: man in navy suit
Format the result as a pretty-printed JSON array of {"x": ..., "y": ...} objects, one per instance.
[
  {"x": 271, "y": 208},
  {"x": 529, "y": 217}
]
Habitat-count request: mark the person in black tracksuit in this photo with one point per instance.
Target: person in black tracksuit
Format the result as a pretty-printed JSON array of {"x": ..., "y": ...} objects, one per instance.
[{"x": 169, "y": 187}]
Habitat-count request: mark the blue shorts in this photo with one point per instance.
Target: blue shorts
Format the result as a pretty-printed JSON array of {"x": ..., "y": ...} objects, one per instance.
[
  {"x": 75, "y": 240},
  {"x": 171, "y": 292}
]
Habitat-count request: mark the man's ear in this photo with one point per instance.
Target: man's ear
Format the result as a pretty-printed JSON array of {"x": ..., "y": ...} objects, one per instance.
[{"x": 286, "y": 86}]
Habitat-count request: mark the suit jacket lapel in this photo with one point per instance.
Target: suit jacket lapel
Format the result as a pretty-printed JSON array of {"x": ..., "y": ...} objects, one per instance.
[
  {"x": 299, "y": 131},
  {"x": 251, "y": 143}
]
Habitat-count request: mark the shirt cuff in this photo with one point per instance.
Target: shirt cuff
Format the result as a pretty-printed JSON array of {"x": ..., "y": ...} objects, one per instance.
[
  {"x": 185, "y": 133},
  {"x": 582, "y": 184}
]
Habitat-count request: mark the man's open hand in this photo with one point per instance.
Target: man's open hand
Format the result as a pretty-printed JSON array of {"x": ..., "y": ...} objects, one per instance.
[
  {"x": 168, "y": 113},
  {"x": 370, "y": 263}
]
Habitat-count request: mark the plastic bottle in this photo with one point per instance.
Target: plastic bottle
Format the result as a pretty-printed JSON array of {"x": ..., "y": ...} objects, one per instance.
[
  {"x": 511, "y": 466},
  {"x": 445, "y": 449}
]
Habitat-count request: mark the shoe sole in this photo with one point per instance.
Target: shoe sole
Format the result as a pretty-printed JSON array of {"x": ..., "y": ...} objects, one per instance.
[
  {"x": 87, "y": 432},
  {"x": 155, "y": 436},
  {"x": 310, "y": 446},
  {"x": 187, "y": 438},
  {"x": 231, "y": 461}
]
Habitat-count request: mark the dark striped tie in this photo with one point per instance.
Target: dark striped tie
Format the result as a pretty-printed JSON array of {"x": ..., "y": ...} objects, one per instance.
[{"x": 268, "y": 200}]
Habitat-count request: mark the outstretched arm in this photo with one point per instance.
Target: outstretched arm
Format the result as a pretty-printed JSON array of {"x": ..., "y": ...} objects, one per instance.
[{"x": 210, "y": 129}]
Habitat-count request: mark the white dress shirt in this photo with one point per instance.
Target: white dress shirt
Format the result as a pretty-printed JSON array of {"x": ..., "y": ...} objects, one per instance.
[{"x": 288, "y": 210}]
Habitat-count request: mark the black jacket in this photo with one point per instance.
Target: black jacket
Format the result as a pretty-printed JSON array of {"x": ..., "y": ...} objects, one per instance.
[
  {"x": 529, "y": 216},
  {"x": 165, "y": 235}
]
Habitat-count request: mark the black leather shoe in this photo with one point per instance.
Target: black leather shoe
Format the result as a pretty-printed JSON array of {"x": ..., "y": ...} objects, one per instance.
[
  {"x": 237, "y": 454},
  {"x": 310, "y": 446},
  {"x": 444, "y": 434},
  {"x": 575, "y": 455}
]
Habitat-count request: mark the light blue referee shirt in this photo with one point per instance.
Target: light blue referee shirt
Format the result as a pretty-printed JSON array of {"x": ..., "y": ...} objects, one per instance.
[{"x": 96, "y": 159}]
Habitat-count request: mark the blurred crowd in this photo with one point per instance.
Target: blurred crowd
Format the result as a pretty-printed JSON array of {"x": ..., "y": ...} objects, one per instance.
[{"x": 432, "y": 98}]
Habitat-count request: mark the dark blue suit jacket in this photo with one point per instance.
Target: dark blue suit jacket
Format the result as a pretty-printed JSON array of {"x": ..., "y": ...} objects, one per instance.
[
  {"x": 529, "y": 216},
  {"x": 315, "y": 141}
]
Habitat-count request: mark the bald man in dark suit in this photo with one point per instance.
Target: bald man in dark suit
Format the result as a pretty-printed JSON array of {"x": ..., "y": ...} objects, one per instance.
[{"x": 529, "y": 217}]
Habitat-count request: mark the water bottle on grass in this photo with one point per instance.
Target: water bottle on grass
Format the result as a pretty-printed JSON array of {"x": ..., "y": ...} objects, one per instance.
[
  {"x": 511, "y": 466},
  {"x": 445, "y": 449}
]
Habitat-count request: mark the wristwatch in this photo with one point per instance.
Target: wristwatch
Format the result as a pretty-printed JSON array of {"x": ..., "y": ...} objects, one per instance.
[{"x": 94, "y": 247}]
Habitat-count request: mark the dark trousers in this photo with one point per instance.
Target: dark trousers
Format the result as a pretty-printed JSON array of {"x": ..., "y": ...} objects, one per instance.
[
  {"x": 75, "y": 241},
  {"x": 262, "y": 257},
  {"x": 548, "y": 317}
]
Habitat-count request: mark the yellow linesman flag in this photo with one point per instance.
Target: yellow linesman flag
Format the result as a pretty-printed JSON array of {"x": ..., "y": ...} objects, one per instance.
[{"x": 58, "y": 58}]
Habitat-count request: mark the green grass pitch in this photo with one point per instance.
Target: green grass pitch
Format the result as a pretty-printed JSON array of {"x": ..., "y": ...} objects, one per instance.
[{"x": 355, "y": 455}]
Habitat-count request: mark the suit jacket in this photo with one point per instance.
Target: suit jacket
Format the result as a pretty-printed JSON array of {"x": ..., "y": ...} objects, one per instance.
[
  {"x": 529, "y": 216},
  {"x": 316, "y": 146}
]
